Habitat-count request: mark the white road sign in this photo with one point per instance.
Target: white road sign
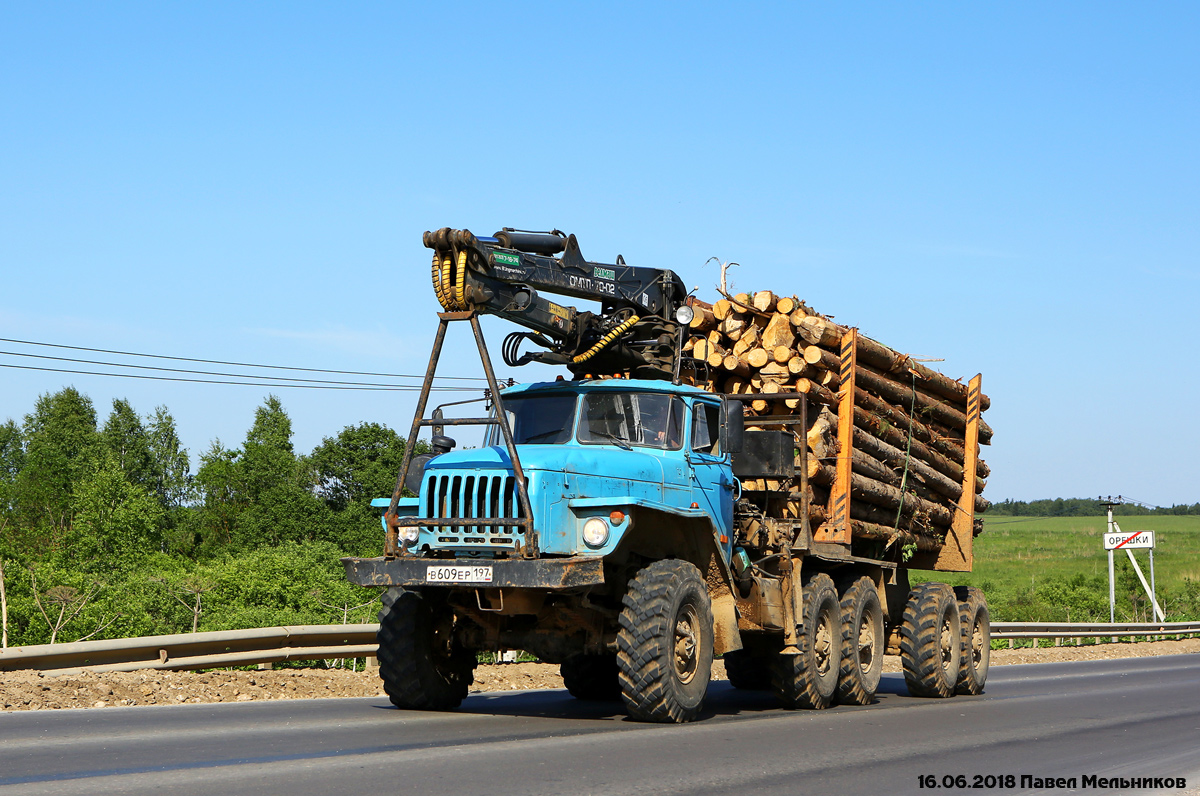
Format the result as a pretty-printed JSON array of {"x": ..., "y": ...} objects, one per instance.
[{"x": 1131, "y": 540}]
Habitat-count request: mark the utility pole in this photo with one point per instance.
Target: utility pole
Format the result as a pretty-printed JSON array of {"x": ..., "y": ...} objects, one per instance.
[{"x": 1109, "y": 503}]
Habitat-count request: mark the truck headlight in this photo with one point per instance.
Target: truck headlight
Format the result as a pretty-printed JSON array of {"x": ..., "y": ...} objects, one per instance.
[
  {"x": 595, "y": 532},
  {"x": 410, "y": 534}
]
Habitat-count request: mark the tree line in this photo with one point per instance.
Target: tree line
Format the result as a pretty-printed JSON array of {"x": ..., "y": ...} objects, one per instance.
[
  {"x": 105, "y": 532},
  {"x": 1082, "y": 507}
]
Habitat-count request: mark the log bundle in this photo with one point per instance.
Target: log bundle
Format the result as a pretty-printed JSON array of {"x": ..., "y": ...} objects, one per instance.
[{"x": 904, "y": 436}]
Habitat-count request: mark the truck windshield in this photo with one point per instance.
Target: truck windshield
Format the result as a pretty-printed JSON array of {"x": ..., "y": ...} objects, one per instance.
[
  {"x": 538, "y": 419},
  {"x": 630, "y": 418}
]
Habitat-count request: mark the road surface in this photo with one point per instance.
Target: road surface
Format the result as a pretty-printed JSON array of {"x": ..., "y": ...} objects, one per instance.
[{"x": 1116, "y": 718}]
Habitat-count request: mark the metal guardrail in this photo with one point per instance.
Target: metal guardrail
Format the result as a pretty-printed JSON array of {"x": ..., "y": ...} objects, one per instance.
[
  {"x": 1003, "y": 630},
  {"x": 310, "y": 642},
  {"x": 1113, "y": 630},
  {"x": 197, "y": 650}
]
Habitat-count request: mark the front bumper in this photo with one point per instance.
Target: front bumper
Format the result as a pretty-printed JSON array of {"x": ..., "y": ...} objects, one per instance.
[{"x": 507, "y": 573}]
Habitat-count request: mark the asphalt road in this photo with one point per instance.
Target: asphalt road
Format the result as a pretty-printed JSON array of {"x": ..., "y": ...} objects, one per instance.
[{"x": 1117, "y": 718}]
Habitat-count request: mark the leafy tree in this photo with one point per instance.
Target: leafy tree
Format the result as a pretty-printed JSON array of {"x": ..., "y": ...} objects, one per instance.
[
  {"x": 215, "y": 518},
  {"x": 357, "y": 465},
  {"x": 116, "y": 522},
  {"x": 126, "y": 437},
  {"x": 60, "y": 440},
  {"x": 171, "y": 466}
]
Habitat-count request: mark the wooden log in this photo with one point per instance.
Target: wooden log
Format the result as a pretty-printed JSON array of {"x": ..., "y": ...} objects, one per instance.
[
  {"x": 798, "y": 315},
  {"x": 703, "y": 320},
  {"x": 869, "y": 530},
  {"x": 757, "y": 357},
  {"x": 782, "y": 354},
  {"x": 716, "y": 358},
  {"x": 764, "y": 301},
  {"x": 866, "y": 512},
  {"x": 865, "y": 464},
  {"x": 786, "y": 305},
  {"x": 689, "y": 345},
  {"x": 815, "y": 392},
  {"x": 898, "y": 417},
  {"x": 771, "y": 388},
  {"x": 778, "y": 332},
  {"x": 733, "y": 326},
  {"x": 815, "y": 355},
  {"x": 722, "y": 309},
  {"x": 775, "y": 372},
  {"x": 748, "y": 340},
  {"x": 701, "y": 348},
  {"x": 820, "y": 331},
  {"x": 735, "y": 366},
  {"x": 889, "y": 497},
  {"x": 905, "y": 395},
  {"x": 884, "y": 429},
  {"x": 895, "y": 457},
  {"x": 735, "y": 385},
  {"x": 880, "y": 356},
  {"x": 796, "y": 366}
]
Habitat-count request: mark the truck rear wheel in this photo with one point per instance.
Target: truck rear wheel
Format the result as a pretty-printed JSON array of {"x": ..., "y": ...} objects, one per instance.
[
  {"x": 665, "y": 644},
  {"x": 591, "y": 677},
  {"x": 862, "y": 643},
  {"x": 748, "y": 671},
  {"x": 931, "y": 641},
  {"x": 421, "y": 665},
  {"x": 977, "y": 639},
  {"x": 809, "y": 680}
]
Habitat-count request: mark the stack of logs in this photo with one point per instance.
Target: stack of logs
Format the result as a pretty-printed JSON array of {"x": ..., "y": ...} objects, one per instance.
[{"x": 909, "y": 442}]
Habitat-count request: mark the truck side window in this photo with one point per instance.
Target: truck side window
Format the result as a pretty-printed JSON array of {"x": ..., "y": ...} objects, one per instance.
[{"x": 706, "y": 428}]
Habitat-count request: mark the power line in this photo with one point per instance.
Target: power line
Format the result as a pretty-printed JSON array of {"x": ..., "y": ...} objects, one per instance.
[
  {"x": 198, "y": 372},
  {"x": 236, "y": 364},
  {"x": 243, "y": 383}
]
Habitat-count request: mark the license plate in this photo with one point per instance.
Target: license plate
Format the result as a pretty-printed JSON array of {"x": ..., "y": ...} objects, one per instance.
[{"x": 458, "y": 574}]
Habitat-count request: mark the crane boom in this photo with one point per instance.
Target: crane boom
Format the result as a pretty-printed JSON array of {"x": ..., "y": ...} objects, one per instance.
[{"x": 505, "y": 274}]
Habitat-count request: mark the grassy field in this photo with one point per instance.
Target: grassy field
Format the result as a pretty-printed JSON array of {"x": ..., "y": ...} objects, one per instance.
[{"x": 1056, "y": 568}]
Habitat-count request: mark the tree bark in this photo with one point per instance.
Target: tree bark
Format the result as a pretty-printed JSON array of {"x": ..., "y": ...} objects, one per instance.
[
  {"x": 894, "y": 457},
  {"x": 954, "y": 454}
]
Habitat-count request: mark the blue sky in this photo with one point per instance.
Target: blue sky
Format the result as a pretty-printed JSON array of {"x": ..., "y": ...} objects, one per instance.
[{"x": 1013, "y": 188}]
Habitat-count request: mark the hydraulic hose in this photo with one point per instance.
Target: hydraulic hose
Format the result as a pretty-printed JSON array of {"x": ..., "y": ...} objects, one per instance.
[{"x": 605, "y": 341}]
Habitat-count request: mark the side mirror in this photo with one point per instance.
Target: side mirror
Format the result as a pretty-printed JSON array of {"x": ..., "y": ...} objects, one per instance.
[{"x": 733, "y": 429}]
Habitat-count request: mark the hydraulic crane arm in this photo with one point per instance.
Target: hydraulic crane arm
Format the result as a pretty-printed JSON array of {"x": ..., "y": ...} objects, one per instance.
[{"x": 505, "y": 275}]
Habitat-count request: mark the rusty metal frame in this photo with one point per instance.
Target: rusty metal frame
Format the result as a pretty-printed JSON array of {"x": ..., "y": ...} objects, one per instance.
[
  {"x": 957, "y": 554},
  {"x": 392, "y": 546},
  {"x": 837, "y": 530}
]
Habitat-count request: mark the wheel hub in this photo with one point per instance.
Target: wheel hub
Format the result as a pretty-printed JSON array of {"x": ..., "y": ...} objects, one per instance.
[{"x": 687, "y": 644}]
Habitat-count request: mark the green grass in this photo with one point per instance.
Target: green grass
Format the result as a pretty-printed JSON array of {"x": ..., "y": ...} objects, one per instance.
[{"x": 1044, "y": 568}]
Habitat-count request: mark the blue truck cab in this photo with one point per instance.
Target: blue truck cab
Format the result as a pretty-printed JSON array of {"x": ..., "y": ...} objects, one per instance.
[{"x": 598, "y": 457}]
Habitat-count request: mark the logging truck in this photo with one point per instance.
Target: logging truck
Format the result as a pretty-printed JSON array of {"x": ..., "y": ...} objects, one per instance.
[{"x": 703, "y": 485}]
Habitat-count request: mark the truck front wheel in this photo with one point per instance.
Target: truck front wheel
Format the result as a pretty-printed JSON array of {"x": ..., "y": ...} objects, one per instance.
[
  {"x": 665, "y": 644},
  {"x": 421, "y": 665}
]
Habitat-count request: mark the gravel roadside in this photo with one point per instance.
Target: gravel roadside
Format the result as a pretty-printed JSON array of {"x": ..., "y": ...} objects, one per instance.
[{"x": 30, "y": 690}]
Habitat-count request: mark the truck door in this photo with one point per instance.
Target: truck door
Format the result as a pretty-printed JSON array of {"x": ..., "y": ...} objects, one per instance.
[{"x": 712, "y": 478}]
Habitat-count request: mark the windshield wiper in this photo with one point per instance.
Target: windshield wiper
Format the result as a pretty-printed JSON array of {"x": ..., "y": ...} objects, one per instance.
[{"x": 618, "y": 441}]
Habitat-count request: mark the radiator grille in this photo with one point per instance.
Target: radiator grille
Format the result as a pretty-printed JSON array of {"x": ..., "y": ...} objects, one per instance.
[{"x": 473, "y": 496}]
